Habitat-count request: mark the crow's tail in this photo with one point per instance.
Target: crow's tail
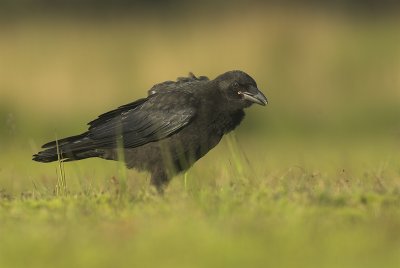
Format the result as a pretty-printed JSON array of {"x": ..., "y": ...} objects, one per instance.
[{"x": 68, "y": 149}]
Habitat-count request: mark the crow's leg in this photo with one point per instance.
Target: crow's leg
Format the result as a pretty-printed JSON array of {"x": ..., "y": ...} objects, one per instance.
[{"x": 159, "y": 179}]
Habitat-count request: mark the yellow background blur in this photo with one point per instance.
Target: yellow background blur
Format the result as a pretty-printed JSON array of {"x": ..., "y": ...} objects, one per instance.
[{"x": 314, "y": 180}]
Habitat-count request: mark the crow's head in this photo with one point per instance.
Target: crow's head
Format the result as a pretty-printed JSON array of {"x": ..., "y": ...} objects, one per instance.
[{"x": 239, "y": 89}]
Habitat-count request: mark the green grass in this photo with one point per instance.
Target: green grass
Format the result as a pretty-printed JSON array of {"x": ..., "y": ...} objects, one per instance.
[
  {"x": 324, "y": 208},
  {"x": 311, "y": 180}
]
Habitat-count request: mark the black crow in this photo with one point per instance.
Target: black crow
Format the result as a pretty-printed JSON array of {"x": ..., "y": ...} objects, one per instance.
[{"x": 166, "y": 132}]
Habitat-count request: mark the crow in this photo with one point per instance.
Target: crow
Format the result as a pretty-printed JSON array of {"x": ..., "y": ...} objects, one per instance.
[{"x": 166, "y": 132}]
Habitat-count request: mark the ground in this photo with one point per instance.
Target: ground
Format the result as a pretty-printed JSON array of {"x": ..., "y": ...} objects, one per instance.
[{"x": 230, "y": 213}]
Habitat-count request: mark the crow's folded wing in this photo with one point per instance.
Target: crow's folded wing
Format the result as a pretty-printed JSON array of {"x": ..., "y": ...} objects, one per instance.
[{"x": 146, "y": 120}]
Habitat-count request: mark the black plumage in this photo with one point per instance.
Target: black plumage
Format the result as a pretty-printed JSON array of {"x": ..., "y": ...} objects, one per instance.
[{"x": 166, "y": 132}]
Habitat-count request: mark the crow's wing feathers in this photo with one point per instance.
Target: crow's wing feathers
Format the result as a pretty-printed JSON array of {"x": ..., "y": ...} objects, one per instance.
[
  {"x": 181, "y": 83},
  {"x": 111, "y": 114},
  {"x": 157, "y": 117}
]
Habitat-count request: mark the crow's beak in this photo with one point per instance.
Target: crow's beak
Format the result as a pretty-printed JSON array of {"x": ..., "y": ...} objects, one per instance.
[{"x": 255, "y": 96}]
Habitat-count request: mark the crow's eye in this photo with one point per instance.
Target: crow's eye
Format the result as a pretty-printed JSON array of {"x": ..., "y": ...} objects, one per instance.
[{"x": 235, "y": 85}]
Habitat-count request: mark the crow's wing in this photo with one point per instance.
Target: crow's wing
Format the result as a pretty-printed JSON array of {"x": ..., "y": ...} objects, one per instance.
[
  {"x": 146, "y": 120},
  {"x": 181, "y": 83}
]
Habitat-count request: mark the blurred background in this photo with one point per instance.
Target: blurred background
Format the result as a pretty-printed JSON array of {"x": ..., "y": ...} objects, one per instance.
[
  {"x": 330, "y": 69},
  {"x": 312, "y": 181}
]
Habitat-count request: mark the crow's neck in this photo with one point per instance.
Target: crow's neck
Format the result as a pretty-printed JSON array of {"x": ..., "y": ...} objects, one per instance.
[{"x": 231, "y": 120}]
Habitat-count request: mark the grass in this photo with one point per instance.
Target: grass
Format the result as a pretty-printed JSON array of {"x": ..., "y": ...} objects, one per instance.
[
  {"x": 312, "y": 180},
  {"x": 61, "y": 186},
  {"x": 290, "y": 213}
]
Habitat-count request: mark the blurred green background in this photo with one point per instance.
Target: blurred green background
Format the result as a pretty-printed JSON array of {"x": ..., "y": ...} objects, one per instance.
[
  {"x": 330, "y": 70},
  {"x": 324, "y": 153}
]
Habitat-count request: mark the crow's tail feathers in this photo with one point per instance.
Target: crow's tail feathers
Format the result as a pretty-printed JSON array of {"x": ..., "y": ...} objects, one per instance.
[{"x": 68, "y": 149}]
